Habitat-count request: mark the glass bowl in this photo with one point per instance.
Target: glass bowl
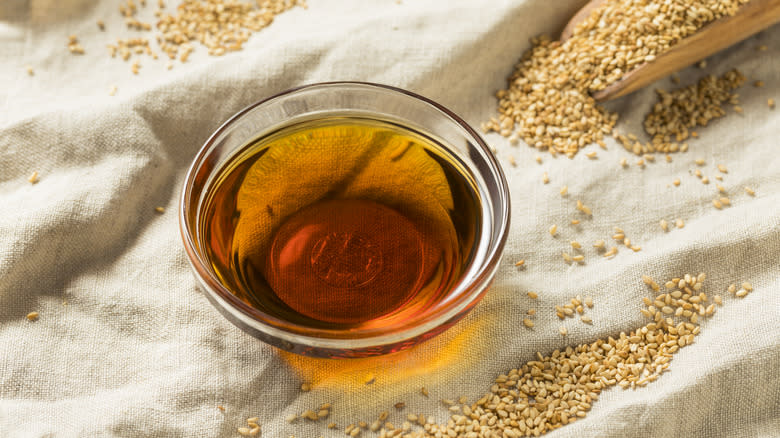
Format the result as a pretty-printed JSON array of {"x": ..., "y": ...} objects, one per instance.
[{"x": 357, "y": 99}]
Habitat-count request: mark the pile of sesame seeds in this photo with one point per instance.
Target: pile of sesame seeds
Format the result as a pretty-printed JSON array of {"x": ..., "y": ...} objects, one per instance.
[
  {"x": 547, "y": 102},
  {"x": 554, "y": 390},
  {"x": 677, "y": 112},
  {"x": 219, "y": 25}
]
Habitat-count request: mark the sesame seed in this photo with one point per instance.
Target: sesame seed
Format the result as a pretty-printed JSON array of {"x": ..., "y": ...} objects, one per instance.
[
  {"x": 575, "y": 221},
  {"x": 578, "y": 258},
  {"x": 586, "y": 319},
  {"x": 29, "y": 70},
  {"x": 664, "y": 225},
  {"x": 700, "y": 162},
  {"x": 676, "y": 182},
  {"x": 528, "y": 323},
  {"x": 589, "y": 301},
  {"x": 741, "y": 293},
  {"x": 562, "y": 330},
  {"x": 599, "y": 244},
  {"x": 32, "y": 316},
  {"x": 291, "y": 418},
  {"x": 553, "y": 229},
  {"x": 770, "y": 103},
  {"x": 750, "y": 191},
  {"x": 531, "y": 312},
  {"x": 722, "y": 168},
  {"x": 564, "y": 190},
  {"x": 305, "y": 387},
  {"x": 244, "y": 431},
  {"x": 717, "y": 204},
  {"x": 747, "y": 286},
  {"x": 575, "y": 244},
  {"x": 532, "y": 295},
  {"x": 33, "y": 178},
  {"x": 424, "y": 391},
  {"x": 545, "y": 178},
  {"x": 520, "y": 262},
  {"x": 679, "y": 223},
  {"x": 566, "y": 257},
  {"x": 725, "y": 201}
]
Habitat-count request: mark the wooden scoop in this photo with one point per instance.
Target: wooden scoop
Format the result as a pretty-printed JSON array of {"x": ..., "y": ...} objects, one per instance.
[{"x": 751, "y": 18}]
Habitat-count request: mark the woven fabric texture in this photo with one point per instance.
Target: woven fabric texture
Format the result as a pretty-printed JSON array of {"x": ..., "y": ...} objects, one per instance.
[{"x": 127, "y": 345}]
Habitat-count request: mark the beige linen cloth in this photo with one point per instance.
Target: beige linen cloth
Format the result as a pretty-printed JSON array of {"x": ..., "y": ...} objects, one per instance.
[{"x": 127, "y": 345}]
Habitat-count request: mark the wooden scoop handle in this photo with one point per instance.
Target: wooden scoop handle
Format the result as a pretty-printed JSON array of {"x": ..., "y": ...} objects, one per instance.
[{"x": 751, "y": 18}]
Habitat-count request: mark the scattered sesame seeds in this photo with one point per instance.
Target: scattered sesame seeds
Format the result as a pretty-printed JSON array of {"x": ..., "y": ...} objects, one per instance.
[
  {"x": 32, "y": 316},
  {"x": 73, "y": 45},
  {"x": 650, "y": 282},
  {"x": 33, "y": 178}
]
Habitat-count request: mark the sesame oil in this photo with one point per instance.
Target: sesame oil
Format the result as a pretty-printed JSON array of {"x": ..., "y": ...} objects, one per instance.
[{"x": 342, "y": 222}]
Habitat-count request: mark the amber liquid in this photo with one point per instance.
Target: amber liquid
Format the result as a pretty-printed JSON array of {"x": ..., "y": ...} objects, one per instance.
[{"x": 342, "y": 222}]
